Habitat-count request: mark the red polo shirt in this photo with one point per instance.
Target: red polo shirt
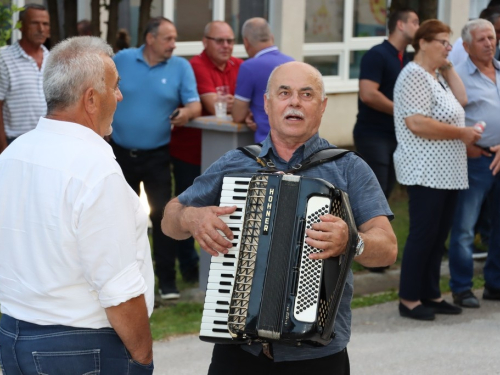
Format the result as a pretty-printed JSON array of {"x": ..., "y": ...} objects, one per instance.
[{"x": 185, "y": 143}]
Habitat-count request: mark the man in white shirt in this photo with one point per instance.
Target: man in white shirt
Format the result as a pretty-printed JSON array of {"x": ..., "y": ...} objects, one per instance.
[{"x": 76, "y": 275}]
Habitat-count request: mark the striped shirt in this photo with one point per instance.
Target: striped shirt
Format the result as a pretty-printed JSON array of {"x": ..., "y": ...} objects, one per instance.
[{"x": 21, "y": 90}]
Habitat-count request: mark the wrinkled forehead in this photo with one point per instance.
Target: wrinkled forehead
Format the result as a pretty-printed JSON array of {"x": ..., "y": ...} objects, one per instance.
[{"x": 296, "y": 78}]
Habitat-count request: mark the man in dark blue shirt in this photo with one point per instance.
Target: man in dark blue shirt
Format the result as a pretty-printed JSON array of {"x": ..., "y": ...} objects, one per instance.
[
  {"x": 295, "y": 102},
  {"x": 374, "y": 134}
]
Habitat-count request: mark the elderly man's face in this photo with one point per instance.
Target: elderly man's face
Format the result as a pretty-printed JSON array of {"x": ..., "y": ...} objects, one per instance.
[
  {"x": 109, "y": 98},
  {"x": 483, "y": 44},
  {"x": 35, "y": 27},
  {"x": 219, "y": 43},
  {"x": 295, "y": 106},
  {"x": 163, "y": 44}
]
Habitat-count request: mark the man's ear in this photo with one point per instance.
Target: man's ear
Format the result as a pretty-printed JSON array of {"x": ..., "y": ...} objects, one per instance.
[
  {"x": 265, "y": 104},
  {"x": 149, "y": 39},
  {"x": 90, "y": 100}
]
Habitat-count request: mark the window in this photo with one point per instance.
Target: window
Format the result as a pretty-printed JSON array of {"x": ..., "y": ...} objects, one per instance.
[{"x": 337, "y": 34}]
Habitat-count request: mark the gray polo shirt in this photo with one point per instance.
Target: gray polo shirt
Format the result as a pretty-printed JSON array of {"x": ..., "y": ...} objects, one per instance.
[
  {"x": 350, "y": 174},
  {"x": 21, "y": 90}
]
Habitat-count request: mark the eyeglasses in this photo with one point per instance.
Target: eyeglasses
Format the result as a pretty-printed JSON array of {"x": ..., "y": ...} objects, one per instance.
[
  {"x": 220, "y": 41},
  {"x": 445, "y": 43}
]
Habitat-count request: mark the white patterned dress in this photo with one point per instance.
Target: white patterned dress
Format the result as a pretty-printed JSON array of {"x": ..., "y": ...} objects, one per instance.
[{"x": 439, "y": 164}]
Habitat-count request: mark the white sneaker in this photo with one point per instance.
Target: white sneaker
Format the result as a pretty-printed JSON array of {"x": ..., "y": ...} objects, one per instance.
[{"x": 170, "y": 294}]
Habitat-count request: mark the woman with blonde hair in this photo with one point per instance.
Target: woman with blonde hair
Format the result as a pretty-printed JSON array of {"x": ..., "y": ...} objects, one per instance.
[{"x": 431, "y": 160}]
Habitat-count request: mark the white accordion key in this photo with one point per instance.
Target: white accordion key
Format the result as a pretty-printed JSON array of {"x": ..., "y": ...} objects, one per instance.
[{"x": 308, "y": 286}]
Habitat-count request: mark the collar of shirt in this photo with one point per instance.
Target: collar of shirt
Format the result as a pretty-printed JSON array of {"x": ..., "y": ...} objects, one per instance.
[
  {"x": 229, "y": 64},
  {"x": 312, "y": 145},
  {"x": 140, "y": 57},
  {"x": 472, "y": 68},
  {"x": 265, "y": 50},
  {"x": 22, "y": 53},
  {"x": 75, "y": 130}
]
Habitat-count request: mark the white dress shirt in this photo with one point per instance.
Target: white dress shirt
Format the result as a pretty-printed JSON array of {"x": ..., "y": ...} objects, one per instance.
[{"x": 73, "y": 235}]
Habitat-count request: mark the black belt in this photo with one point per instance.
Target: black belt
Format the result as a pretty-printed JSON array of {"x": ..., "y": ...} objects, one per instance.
[{"x": 135, "y": 152}]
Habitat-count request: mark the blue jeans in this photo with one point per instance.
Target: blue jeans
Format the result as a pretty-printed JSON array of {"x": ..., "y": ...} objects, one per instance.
[
  {"x": 32, "y": 349},
  {"x": 482, "y": 184}
]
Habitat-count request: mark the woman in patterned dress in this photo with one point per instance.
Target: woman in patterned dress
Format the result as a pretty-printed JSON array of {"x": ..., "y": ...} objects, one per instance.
[{"x": 431, "y": 160}]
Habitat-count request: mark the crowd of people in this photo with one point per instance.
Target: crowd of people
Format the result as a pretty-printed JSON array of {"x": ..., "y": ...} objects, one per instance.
[{"x": 75, "y": 236}]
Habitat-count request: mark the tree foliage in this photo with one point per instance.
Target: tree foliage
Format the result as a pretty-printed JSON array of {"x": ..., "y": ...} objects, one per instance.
[{"x": 6, "y": 13}]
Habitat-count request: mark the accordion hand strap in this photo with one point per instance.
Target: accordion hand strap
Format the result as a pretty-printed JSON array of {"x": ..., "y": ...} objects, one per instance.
[{"x": 319, "y": 157}]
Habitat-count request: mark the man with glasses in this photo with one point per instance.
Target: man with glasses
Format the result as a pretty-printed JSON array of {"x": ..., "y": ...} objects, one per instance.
[
  {"x": 154, "y": 85},
  {"x": 214, "y": 67}
]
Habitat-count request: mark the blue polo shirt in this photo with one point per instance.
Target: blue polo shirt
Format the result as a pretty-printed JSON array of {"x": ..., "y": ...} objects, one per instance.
[
  {"x": 380, "y": 64},
  {"x": 150, "y": 95},
  {"x": 349, "y": 173},
  {"x": 251, "y": 85},
  {"x": 483, "y": 102}
]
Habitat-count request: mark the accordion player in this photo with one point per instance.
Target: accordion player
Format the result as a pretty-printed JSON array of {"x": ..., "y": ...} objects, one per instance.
[{"x": 266, "y": 288}]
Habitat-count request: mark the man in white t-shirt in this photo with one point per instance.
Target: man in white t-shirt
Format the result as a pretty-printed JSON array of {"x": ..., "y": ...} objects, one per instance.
[{"x": 76, "y": 275}]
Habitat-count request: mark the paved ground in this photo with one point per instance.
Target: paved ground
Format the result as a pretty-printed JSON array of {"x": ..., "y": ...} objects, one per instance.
[{"x": 384, "y": 343}]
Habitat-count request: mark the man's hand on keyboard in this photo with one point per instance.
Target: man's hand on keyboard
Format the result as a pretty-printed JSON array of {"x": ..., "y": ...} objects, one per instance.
[{"x": 204, "y": 224}]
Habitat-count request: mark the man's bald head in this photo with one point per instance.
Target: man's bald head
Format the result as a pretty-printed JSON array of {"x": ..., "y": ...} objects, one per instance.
[
  {"x": 256, "y": 30},
  {"x": 315, "y": 75}
]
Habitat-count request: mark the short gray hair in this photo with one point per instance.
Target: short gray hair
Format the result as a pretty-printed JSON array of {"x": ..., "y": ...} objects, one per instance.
[
  {"x": 318, "y": 76},
  {"x": 256, "y": 30},
  {"x": 473, "y": 25},
  {"x": 72, "y": 67}
]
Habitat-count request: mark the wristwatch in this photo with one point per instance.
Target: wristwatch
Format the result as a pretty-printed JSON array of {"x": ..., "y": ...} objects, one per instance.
[{"x": 360, "y": 247}]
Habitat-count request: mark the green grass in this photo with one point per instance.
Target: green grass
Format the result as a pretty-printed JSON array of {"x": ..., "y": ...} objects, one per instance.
[{"x": 178, "y": 319}]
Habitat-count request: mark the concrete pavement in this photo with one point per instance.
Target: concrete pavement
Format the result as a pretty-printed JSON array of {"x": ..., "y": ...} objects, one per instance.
[{"x": 384, "y": 343}]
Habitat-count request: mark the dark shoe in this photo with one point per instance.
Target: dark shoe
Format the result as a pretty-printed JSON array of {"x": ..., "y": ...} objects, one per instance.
[
  {"x": 169, "y": 293},
  {"x": 492, "y": 294},
  {"x": 442, "y": 307},
  {"x": 377, "y": 269},
  {"x": 419, "y": 313},
  {"x": 466, "y": 299}
]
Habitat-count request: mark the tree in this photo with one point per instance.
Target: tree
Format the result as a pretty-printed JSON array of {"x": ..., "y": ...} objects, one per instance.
[
  {"x": 144, "y": 16},
  {"x": 95, "y": 10},
  {"x": 70, "y": 18},
  {"x": 6, "y": 27},
  {"x": 55, "y": 35},
  {"x": 112, "y": 21}
]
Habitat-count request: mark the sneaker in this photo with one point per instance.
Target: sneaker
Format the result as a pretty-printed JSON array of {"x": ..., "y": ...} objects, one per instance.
[
  {"x": 169, "y": 293},
  {"x": 466, "y": 299},
  {"x": 478, "y": 253}
]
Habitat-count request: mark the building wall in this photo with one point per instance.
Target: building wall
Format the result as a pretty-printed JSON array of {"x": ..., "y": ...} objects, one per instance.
[{"x": 339, "y": 119}]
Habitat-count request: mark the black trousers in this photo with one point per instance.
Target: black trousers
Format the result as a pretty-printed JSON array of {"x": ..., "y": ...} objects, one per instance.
[
  {"x": 431, "y": 214},
  {"x": 152, "y": 168},
  {"x": 377, "y": 152},
  {"x": 232, "y": 359},
  {"x": 184, "y": 175}
]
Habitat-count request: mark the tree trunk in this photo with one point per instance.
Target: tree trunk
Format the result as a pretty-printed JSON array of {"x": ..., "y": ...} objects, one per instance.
[
  {"x": 112, "y": 22},
  {"x": 95, "y": 10},
  {"x": 144, "y": 16},
  {"x": 70, "y": 18},
  {"x": 55, "y": 34},
  {"x": 427, "y": 9}
]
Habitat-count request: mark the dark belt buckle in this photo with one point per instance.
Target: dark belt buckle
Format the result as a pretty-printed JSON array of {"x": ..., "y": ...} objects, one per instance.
[{"x": 133, "y": 153}]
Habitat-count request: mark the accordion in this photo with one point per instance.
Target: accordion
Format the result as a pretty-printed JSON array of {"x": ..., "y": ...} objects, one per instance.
[{"x": 266, "y": 288}]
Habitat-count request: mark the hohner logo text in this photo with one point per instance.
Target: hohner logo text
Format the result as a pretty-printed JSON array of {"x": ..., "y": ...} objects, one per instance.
[{"x": 267, "y": 211}]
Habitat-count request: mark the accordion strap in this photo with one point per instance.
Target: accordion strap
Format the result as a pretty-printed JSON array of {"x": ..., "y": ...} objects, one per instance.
[{"x": 319, "y": 157}]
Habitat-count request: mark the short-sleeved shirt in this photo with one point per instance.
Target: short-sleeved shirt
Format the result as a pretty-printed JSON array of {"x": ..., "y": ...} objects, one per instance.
[
  {"x": 483, "y": 102},
  {"x": 21, "y": 89},
  {"x": 382, "y": 65},
  {"x": 349, "y": 173},
  {"x": 150, "y": 95},
  {"x": 252, "y": 82},
  {"x": 185, "y": 143},
  {"x": 439, "y": 164}
]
